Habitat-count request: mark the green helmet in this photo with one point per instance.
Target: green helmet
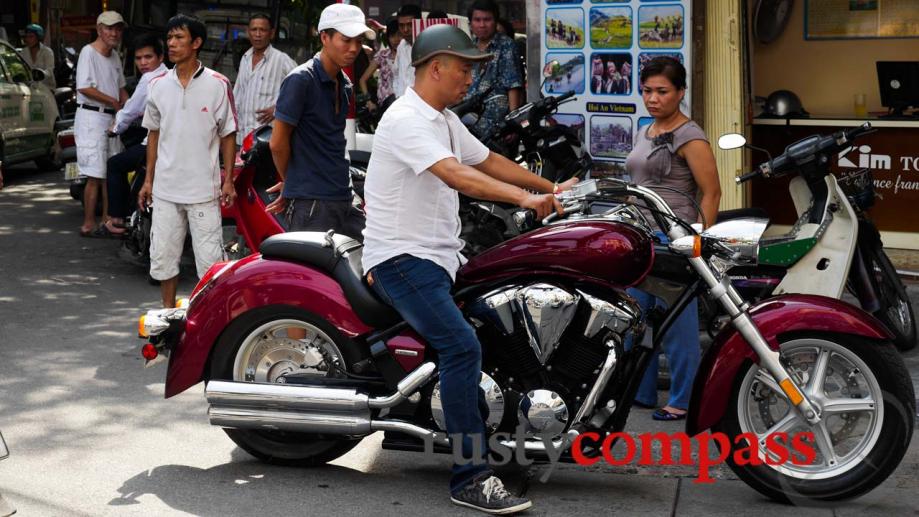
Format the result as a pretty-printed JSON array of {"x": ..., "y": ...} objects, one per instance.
[
  {"x": 445, "y": 39},
  {"x": 36, "y": 29}
]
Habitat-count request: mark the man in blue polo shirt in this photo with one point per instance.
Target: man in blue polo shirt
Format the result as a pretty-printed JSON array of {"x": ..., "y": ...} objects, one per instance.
[{"x": 308, "y": 139}]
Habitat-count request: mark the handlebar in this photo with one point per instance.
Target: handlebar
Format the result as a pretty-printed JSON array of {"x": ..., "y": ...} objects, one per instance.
[
  {"x": 747, "y": 177},
  {"x": 805, "y": 150},
  {"x": 565, "y": 96},
  {"x": 471, "y": 104}
]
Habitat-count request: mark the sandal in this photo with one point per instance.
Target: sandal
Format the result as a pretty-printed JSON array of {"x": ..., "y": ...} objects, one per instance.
[
  {"x": 118, "y": 230},
  {"x": 663, "y": 414},
  {"x": 104, "y": 233}
]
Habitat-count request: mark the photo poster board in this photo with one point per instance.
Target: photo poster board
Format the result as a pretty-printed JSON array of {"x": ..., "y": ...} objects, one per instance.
[{"x": 601, "y": 48}]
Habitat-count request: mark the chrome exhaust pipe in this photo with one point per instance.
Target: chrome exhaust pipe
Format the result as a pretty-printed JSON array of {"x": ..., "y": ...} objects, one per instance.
[
  {"x": 271, "y": 420},
  {"x": 313, "y": 409}
]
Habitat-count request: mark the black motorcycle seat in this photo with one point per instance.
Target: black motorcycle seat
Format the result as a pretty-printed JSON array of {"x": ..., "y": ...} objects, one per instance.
[{"x": 340, "y": 257}]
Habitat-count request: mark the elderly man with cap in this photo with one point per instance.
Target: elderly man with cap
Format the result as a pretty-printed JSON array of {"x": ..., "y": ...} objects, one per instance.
[
  {"x": 422, "y": 158},
  {"x": 100, "y": 94},
  {"x": 308, "y": 135},
  {"x": 36, "y": 54}
]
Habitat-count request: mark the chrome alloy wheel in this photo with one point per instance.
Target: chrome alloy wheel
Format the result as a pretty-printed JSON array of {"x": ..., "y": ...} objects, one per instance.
[
  {"x": 841, "y": 387},
  {"x": 276, "y": 349}
]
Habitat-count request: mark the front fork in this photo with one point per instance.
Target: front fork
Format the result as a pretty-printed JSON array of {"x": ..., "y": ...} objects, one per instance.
[{"x": 723, "y": 291}]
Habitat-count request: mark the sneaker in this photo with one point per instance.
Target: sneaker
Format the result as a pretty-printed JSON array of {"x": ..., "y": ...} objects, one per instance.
[{"x": 487, "y": 494}]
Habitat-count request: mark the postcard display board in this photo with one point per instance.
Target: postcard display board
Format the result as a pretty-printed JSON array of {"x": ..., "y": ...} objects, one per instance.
[{"x": 600, "y": 49}]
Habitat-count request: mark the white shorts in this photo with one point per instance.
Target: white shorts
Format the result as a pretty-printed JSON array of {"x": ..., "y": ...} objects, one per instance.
[
  {"x": 94, "y": 148},
  {"x": 167, "y": 236}
]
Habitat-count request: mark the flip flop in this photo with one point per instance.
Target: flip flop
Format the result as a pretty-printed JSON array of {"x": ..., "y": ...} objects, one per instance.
[
  {"x": 89, "y": 233},
  {"x": 110, "y": 232},
  {"x": 664, "y": 415},
  {"x": 104, "y": 233}
]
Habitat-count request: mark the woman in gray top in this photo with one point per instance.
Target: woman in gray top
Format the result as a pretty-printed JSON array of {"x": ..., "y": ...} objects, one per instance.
[{"x": 672, "y": 157}]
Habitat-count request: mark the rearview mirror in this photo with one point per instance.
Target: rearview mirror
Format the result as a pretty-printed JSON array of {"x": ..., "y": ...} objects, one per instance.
[
  {"x": 731, "y": 141},
  {"x": 549, "y": 69}
]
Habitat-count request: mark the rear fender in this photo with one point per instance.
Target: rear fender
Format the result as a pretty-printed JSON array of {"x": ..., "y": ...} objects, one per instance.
[
  {"x": 251, "y": 283},
  {"x": 774, "y": 317}
]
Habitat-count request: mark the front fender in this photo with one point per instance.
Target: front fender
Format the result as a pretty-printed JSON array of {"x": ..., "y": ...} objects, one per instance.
[
  {"x": 251, "y": 283},
  {"x": 776, "y": 316}
]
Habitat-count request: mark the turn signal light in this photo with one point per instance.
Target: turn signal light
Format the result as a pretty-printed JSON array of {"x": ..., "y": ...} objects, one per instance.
[
  {"x": 149, "y": 352},
  {"x": 140, "y": 326},
  {"x": 182, "y": 303},
  {"x": 793, "y": 394},
  {"x": 689, "y": 246}
]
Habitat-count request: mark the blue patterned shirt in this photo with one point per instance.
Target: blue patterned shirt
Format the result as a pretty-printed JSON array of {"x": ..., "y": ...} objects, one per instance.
[{"x": 501, "y": 73}]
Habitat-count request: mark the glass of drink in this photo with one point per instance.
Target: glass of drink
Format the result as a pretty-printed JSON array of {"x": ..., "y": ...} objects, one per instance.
[{"x": 861, "y": 105}]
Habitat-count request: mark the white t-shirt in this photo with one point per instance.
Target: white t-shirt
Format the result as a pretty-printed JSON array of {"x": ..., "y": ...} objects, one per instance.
[
  {"x": 190, "y": 121},
  {"x": 404, "y": 73},
  {"x": 409, "y": 209},
  {"x": 97, "y": 71}
]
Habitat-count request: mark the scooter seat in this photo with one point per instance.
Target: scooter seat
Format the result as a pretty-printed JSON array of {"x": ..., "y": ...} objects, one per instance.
[{"x": 340, "y": 257}]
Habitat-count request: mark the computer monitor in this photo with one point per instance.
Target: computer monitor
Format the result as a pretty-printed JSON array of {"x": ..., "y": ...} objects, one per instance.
[{"x": 899, "y": 84}]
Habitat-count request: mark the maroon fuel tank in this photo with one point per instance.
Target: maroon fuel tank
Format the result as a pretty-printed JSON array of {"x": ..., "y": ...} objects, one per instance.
[{"x": 610, "y": 252}]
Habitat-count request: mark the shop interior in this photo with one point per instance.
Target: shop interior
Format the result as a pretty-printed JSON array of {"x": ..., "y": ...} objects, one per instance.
[{"x": 841, "y": 79}]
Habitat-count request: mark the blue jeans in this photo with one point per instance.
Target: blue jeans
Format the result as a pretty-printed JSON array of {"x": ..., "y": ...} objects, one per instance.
[
  {"x": 681, "y": 344},
  {"x": 420, "y": 291}
]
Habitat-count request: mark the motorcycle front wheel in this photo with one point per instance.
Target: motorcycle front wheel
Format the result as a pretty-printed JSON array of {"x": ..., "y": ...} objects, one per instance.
[
  {"x": 865, "y": 396},
  {"x": 896, "y": 311},
  {"x": 264, "y": 345}
]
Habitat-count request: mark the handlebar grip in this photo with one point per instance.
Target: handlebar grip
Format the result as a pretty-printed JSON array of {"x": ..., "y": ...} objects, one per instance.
[
  {"x": 747, "y": 177},
  {"x": 856, "y": 132},
  {"x": 525, "y": 219}
]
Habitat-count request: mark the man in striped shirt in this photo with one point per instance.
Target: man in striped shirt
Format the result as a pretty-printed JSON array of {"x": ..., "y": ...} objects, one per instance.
[{"x": 261, "y": 71}]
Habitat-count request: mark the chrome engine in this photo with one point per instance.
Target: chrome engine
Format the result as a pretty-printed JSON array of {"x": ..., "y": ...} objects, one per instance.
[{"x": 544, "y": 347}]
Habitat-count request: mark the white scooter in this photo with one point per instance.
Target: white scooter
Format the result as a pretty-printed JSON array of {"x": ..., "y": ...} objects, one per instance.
[{"x": 832, "y": 246}]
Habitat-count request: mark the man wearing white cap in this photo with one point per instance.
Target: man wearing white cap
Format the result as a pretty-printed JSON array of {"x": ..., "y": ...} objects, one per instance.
[
  {"x": 308, "y": 137},
  {"x": 100, "y": 94}
]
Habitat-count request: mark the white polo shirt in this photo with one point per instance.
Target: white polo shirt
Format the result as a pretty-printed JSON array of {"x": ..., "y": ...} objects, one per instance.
[
  {"x": 191, "y": 121},
  {"x": 409, "y": 209}
]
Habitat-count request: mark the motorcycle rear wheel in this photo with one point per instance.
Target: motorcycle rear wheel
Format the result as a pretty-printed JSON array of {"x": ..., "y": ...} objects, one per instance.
[
  {"x": 896, "y": 311},
  {"x": 257, "y": 347},
  {"x": 866, "y": 397}
]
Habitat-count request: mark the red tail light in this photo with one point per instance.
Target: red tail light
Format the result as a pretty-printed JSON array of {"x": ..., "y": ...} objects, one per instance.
[
  {"x": 65, "y": 140},
  {"x": 149, "y": 352},
  {"x": 248, "y": 142}
]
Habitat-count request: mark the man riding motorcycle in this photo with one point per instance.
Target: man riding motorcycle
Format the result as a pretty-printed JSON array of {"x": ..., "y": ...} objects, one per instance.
[{"x": 422, "y": 156}]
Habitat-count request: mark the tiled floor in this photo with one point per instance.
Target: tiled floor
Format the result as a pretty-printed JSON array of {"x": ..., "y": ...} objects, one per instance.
[{"x": 906, "y": 261}]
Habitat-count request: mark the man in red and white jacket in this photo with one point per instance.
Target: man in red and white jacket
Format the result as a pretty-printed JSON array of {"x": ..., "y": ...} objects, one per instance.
[{"x": 190, "y": 115}]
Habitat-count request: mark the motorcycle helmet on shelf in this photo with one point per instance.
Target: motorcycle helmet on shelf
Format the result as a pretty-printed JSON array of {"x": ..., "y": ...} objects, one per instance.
[{"x": 784, "y": 104}]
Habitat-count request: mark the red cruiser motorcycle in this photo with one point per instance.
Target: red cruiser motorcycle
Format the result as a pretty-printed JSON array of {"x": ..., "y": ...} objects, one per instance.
[{"x": 552, "y": 314}]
